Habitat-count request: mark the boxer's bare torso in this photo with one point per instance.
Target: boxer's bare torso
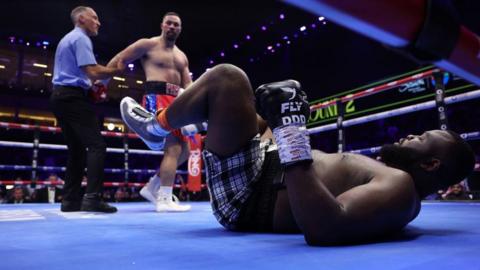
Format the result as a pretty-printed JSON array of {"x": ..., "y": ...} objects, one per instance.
[
  {"x": 383, "y": 198},
  {"x": 163, "y": 63}
]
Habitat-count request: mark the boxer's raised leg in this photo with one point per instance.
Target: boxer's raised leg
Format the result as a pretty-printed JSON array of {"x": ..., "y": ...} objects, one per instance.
[
  {"x": 222, "y": 96},
  {"x": 235, "y": 155}
]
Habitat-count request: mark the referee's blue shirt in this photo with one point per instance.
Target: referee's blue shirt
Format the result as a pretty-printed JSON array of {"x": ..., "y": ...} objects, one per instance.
[{"x": 74, "y": 51}]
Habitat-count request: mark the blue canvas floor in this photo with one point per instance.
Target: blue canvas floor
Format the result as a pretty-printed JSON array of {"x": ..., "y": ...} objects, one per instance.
[{"x": 39, "y": 236}]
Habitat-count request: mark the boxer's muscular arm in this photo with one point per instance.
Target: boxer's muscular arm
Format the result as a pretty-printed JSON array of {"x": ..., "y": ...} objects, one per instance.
[
  {"x": 359, "y": 214},
  {"x": 129, "y": 54},
  {"x": 186, "y": 78},
  {"x": 99, "y": 72},
  {"x": 132, "y": 52}
]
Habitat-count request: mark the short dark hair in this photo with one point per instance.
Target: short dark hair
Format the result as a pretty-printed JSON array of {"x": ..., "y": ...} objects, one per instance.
[
  {"x": 75, "y": 13},
  {"x": 170, "y": 13},
  {"x": 459, "y": 160}
]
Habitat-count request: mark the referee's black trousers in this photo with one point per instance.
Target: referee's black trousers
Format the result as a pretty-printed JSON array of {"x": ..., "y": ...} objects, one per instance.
[{"x": 86, "y": 146}]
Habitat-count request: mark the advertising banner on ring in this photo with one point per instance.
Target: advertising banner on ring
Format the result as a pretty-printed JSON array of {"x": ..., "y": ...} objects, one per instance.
[
  {"x": 195, "y": 164},
  {"x": 400, "y": 96}
]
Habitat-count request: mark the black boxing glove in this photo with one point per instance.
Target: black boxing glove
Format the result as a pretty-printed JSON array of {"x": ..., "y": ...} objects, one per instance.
[
  {"x": 282, "y": 103},
  {"x": 285, "y": 108}
]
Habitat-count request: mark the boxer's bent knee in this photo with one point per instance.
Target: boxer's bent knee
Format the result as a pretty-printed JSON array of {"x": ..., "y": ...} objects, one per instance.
[
  {"x": 227, "y": 70},
  {"x": 230, "y": 76}
]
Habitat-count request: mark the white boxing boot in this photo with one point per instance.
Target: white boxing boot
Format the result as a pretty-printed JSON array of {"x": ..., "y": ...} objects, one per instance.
[{"x": 165, "y": 202}]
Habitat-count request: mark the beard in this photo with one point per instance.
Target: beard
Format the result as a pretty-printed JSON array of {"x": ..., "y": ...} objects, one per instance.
[
  {"x": 171, "y": 36},
  {"x": 403, "y": 158}
]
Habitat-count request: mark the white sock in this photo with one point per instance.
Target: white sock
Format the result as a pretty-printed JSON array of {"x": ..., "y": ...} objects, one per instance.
[
  {"x": 192, "y": 129},
  {"x": 153, "y": 127},
  {"x": 155, "y": 182},
  {"x": 165, "y": 193}
]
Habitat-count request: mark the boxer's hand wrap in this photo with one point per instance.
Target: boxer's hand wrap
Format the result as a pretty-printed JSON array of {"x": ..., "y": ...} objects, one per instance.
[{"x": 285, "y": 107}]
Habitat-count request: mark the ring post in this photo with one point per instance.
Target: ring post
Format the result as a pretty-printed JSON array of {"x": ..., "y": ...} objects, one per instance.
[
  {"x": 125, "y": 157},
  {"x": 36, "y": 147},
  {"x": 439, "y": 87},
  {"x": 341, "y": 130}
]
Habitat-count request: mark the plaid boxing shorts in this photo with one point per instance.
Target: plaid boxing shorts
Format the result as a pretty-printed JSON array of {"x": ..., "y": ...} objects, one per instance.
[{"x": 243, "y": 186}]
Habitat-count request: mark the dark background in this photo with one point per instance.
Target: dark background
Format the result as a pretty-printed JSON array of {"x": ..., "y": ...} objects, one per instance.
[{"x": 327, "y": 60}]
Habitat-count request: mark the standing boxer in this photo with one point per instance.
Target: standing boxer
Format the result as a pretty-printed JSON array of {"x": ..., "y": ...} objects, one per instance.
[{"x": 166, "y": 72}]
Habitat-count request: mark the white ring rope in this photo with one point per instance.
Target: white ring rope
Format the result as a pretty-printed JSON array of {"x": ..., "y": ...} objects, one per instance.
[
  {"x": 469, "y": 136},
  {"x": 64, "y": 147}
]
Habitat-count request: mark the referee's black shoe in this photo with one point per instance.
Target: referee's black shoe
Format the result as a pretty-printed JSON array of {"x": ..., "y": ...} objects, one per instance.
[
  {"x": 93, "y": 203},
  {"x": 70, "y": 206}
]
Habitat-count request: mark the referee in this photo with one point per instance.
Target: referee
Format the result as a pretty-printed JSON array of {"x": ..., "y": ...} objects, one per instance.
[{"x": 75, "y": 69}]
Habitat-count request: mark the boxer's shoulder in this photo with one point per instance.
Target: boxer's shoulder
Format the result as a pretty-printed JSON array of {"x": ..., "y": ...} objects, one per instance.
[{"x": 148, "y": 42}]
